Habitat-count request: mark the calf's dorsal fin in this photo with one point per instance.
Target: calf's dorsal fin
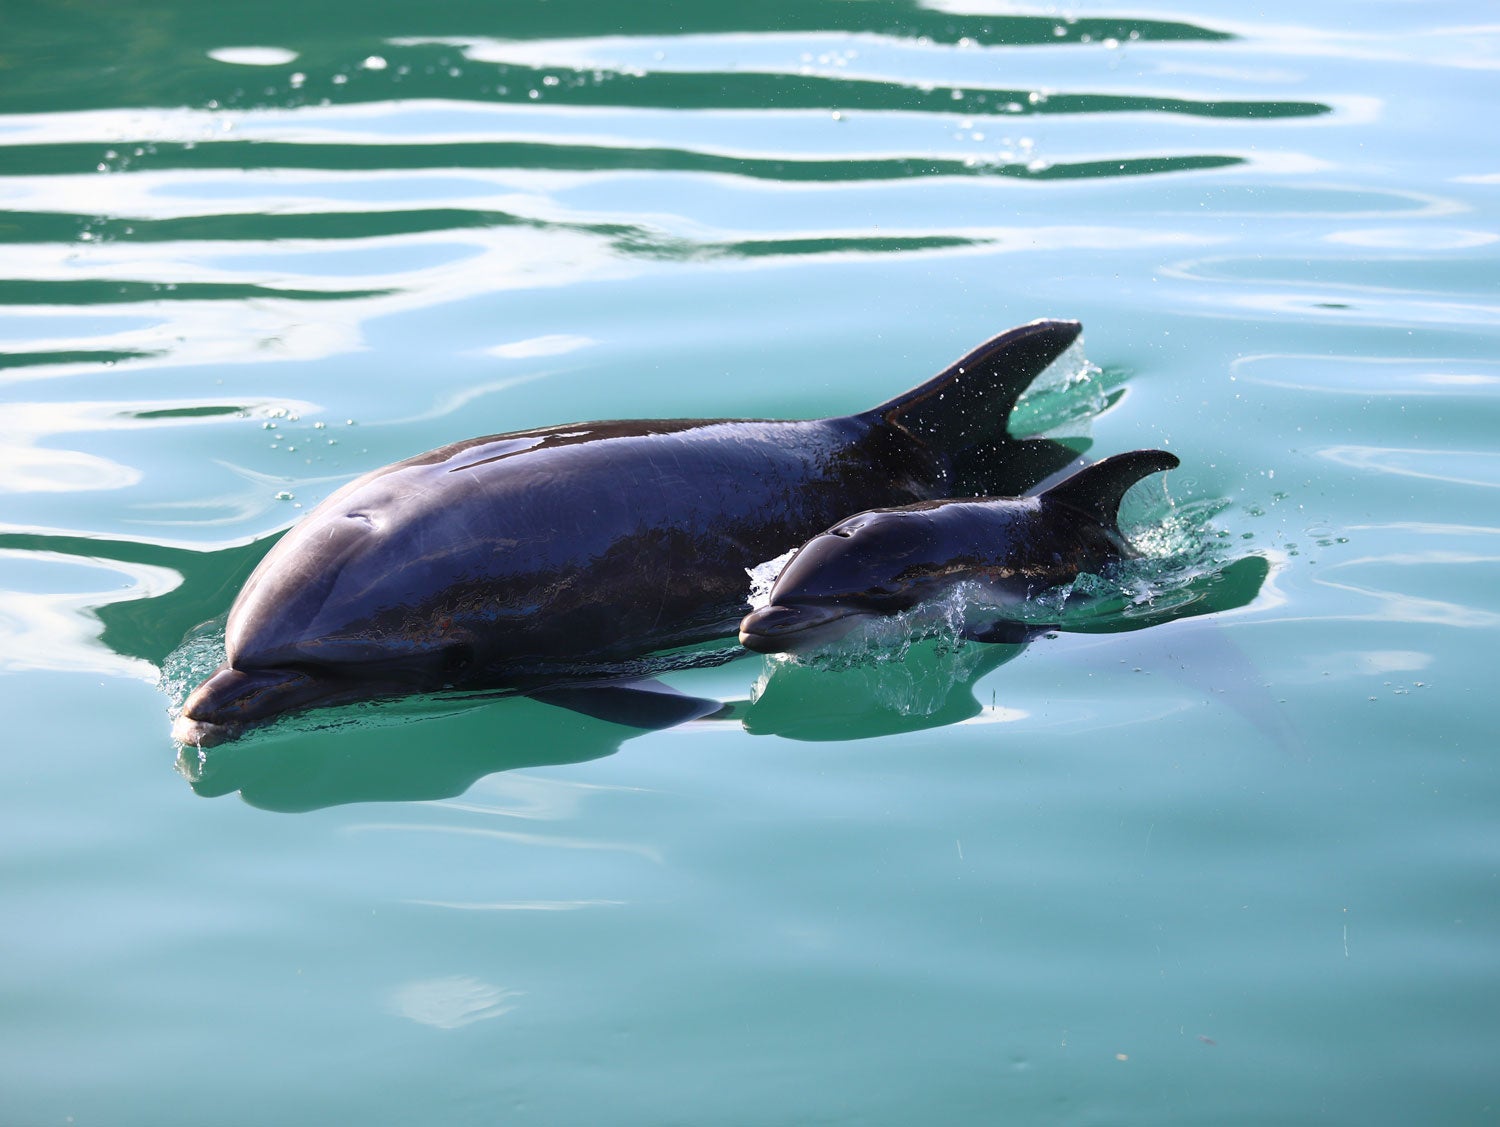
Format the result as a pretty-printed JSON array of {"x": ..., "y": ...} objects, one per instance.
[{"x": 1097, "y": 490}]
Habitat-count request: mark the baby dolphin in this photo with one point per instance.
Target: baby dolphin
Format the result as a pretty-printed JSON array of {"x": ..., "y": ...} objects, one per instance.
[
  {"x": 885, "y": 561},
  {"x": 561, "y": 554}
]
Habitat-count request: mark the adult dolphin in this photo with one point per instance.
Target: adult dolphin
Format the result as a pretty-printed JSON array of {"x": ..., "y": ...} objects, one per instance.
[{"x": 557, "y": 554}]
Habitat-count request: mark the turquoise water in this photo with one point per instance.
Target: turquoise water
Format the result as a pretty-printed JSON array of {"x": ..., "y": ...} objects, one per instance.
[{"x": 1229, "y": 869}]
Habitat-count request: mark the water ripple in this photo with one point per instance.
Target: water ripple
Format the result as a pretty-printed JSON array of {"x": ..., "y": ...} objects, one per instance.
[
  {"x": 452, "y": 1002},
  {"x": 1453, "y": 467},
  {"x": 512, "y": 837}
]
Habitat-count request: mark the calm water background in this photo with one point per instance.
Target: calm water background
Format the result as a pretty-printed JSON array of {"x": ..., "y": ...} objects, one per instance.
[{"x": 1236, "y": 871}]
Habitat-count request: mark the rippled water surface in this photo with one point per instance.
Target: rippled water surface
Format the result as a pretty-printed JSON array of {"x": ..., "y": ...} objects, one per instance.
[{"x": 1233, "y": 868}]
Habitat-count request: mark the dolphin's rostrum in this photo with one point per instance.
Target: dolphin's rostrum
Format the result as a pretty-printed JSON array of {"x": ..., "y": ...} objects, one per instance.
[{"x": 555, "y": 554}]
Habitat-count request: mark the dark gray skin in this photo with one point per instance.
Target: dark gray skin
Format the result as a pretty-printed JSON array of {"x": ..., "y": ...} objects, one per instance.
[
  {"x": 890, "y": 560},
  {"x": 553, "y": 555}
]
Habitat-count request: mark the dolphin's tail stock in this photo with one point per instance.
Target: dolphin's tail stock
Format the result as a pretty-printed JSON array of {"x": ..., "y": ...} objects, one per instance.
[
  {"x": 1097, "y": 490},
  {"x": 963, "y": 411}
]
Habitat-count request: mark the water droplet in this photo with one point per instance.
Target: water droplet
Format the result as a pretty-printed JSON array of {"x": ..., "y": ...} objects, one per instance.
[
  {"x": 374, "y": 62},
  {"x": 340, "y": 79}
]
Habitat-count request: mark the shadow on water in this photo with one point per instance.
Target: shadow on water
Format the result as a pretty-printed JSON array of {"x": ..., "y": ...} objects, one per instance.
[
  {"x": 430, "y": 748},
  {"x": 152, "y": 628},
  {"x": 931, "y": 687},
  {"x": 437, "y": 747},
  {"x": 407, "y": 750}
]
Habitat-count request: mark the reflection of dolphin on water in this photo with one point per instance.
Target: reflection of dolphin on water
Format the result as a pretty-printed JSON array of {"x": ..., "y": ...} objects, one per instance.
[
  {"x": 887, "y": 561},
  {"x": 307, "y": 764},
  {"x": 558, "y": 554}
]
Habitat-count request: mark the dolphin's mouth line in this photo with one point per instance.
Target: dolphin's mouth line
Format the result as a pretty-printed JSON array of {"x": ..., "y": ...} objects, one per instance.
[
  {"x": 781, "y": 627},
  {"x": 235, "y": 700}
]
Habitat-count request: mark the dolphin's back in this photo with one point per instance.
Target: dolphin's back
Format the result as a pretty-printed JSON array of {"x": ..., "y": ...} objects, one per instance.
[{"x": 596, "y": 541}]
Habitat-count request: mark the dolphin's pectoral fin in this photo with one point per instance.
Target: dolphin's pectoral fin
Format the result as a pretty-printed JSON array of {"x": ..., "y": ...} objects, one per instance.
[
  {"x": 1006, "y": 633},
  {"x": 650, "y": 705}
]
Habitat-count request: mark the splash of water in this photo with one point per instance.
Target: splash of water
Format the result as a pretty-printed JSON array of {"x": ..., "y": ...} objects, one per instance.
[
  {"x": 763, "y": 578},
  {"x": 1064, "y": 401},
  {"x": 190, "y": 664}
]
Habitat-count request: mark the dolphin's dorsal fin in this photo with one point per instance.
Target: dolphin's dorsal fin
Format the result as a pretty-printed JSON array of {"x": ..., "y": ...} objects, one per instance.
[
  {"x": 962, "y": 412},
  {"x": 971, "y": 399},
  {"x": 1097, "y": 490}
]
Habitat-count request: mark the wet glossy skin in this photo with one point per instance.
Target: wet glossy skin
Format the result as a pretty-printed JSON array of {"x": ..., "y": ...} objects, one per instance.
[
  {"x": 892, "y": 559},
  {"x": 519, "y": 558}
]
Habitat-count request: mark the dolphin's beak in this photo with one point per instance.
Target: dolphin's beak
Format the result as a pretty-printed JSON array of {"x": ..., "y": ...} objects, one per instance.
[
  {"x": 232, "y": 700},
  {"x": 776, "y": 629}
]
